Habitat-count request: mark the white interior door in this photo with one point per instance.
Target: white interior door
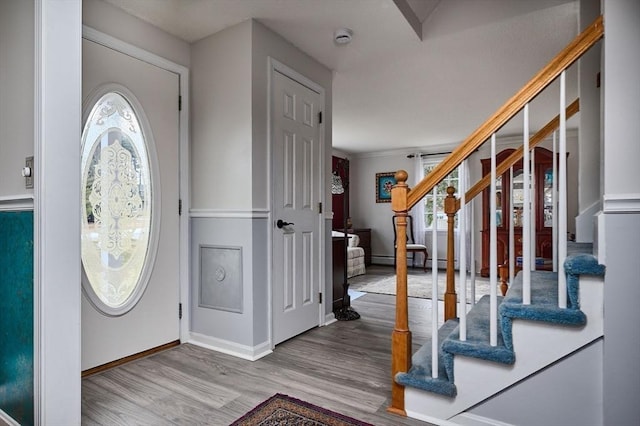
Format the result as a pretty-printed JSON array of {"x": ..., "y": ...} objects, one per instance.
[
  {"x": 296, "y": 174},
  {"x": 153, "y": 93}
]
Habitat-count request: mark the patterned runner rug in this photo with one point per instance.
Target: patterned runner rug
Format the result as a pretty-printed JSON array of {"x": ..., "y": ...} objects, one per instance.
[{"x": 283, "y": 410}]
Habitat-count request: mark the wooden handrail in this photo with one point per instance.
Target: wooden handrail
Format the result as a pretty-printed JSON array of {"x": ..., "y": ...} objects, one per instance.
[
  {"x": 541, "y": 80},
  {"x": 516, "y": 155}
]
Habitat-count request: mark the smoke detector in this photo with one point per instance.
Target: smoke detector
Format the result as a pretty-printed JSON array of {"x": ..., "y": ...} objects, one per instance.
[{"x": 343, "y": 36}]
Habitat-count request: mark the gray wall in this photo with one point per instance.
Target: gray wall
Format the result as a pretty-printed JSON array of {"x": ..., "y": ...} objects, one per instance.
[{"x": 621, "y": 206}]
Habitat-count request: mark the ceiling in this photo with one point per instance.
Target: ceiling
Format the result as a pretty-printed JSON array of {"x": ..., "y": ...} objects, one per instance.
[{"x": 393, "y": 89}]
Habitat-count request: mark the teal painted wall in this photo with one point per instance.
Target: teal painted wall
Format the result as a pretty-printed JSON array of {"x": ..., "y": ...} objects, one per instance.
[{"x": 16, "y": 315}]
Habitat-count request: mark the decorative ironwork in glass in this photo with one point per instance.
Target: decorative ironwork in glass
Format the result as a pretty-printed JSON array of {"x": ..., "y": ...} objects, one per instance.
[{"x": 117, "y": 204}]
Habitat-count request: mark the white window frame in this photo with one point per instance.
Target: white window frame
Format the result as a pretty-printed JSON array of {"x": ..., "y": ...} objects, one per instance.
[{"x": 431, "y": 162}]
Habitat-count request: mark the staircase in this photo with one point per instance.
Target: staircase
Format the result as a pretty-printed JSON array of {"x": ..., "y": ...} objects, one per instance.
[
  {"x": 530, "y": 338},
  {"x": 485, "y": 348}
]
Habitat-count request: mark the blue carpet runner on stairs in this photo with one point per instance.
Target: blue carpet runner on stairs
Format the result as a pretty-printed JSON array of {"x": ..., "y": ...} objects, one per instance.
[
  {"x": 419, "y": 376},
  {"x": 543, "y": 307}
]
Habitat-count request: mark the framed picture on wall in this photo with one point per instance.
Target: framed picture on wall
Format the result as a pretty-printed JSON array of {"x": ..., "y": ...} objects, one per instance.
[{"x": 384, "y": 183}]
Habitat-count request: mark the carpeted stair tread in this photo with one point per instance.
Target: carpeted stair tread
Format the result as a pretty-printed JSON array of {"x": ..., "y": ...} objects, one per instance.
[
  {"x": 543, "y": 307},
  {"x": 544, "y": 300},
  {"x": 419, "y": 375},
  {"x": 478, "y": 337},
  {"x": 544, "y": 295}
]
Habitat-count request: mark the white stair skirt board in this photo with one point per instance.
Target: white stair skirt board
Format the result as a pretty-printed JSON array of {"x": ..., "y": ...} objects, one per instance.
[
  {"x": 250, "y": 353},
  {"x": 536, "y": 345}
]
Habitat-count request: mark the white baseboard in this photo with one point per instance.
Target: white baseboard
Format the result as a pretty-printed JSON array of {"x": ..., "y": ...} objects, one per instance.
[
  {"x": 250, "y": 353},
  {"x": 7, "y": 420},
  {"x": 429, "y": 419},
  {"x": 469, "y": 419},
  {"x": 330, "y": 319}
]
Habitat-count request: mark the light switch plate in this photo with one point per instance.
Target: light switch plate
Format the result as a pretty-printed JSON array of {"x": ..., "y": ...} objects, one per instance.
[{"x": 28, "y": 180}]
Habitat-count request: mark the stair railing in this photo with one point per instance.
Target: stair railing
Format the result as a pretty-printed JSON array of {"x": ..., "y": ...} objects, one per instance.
[{"x": 403, "y": 198}]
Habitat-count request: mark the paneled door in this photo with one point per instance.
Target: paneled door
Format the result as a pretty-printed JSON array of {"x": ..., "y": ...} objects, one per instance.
[
  {"x": 296, "y": 194},
  {"x": 130, "y": 223}
]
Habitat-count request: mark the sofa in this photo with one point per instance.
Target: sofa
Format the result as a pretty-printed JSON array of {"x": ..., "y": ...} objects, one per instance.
[{"x": 355, "y": 254}]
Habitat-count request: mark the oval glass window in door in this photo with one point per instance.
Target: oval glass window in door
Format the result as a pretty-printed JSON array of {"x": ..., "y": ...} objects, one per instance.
[{"x": 117, "y": 205}]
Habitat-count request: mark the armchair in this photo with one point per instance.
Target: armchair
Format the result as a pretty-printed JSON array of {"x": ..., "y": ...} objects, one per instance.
[{"x": 355, "y": 254}]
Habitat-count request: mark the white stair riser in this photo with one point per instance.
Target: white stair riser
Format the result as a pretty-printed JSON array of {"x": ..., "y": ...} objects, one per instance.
[{"x": 536, "y": 345}]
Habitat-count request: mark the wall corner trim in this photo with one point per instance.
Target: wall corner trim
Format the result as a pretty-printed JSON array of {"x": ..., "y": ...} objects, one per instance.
[
  {"x": 16, "y": 202},
  {"x": 621, "y": 203},
  {"x": 229, "y": 214}
]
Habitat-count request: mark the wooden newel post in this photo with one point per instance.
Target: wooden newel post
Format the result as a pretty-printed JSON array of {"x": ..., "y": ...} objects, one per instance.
[
  {"x": 450, "y": 299},
  {"x": 401, "y": 336}
]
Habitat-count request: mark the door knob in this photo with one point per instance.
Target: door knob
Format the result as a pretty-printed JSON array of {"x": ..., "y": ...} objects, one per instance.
[{"x": 281, "y": 223}]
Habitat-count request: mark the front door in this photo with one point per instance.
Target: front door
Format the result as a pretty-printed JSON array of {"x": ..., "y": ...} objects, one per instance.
[
  {"x": 296, "y": 183},
  {"x": 130, "y": 229}
]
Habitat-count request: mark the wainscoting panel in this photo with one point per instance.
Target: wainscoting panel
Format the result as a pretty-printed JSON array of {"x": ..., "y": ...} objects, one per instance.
[
  {"x": 16, "y": 315},
  {"x": 229, "y": 279},
  {"x": 221, "y": 278}
]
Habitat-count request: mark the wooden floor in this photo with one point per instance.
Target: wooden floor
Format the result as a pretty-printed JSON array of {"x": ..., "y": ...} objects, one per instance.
[{"x": 344, "y": 367}]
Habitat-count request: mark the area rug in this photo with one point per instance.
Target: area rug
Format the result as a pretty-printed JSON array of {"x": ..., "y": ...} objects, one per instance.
[
  {"x": 418, "y": 285},
  {"x": 283, "y": 410}
]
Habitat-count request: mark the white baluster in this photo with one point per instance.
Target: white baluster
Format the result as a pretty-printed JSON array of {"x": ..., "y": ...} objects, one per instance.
[
  {"x": 512, "y": 238},
  {"x": 493, "y": 251},
  {"x": 533, "y": 209},
  {"x": 562, "y": 198},
  {"x": 462, "y": 220},
  {"x": 526, "y": 214},
  {"x": 472, "y": 251},
  {"x": 554, "y": 205},
  {"x": 434, "y": 287}
]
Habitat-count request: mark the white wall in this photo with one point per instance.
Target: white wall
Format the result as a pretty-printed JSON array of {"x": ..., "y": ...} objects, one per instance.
[
  {"x": 568, "y": 392},
  {"x": 264, "y": 44},
  {"x": 221, "y": 134},
  {"x": 589, "y": 193},
  {"x": 230, "y": 166},
  {"x": 16, "y": 93},
  {"x": 111, "y": 20},
  {"x": 366, "y": 213},
  {"x": 621, "y": 207}
]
